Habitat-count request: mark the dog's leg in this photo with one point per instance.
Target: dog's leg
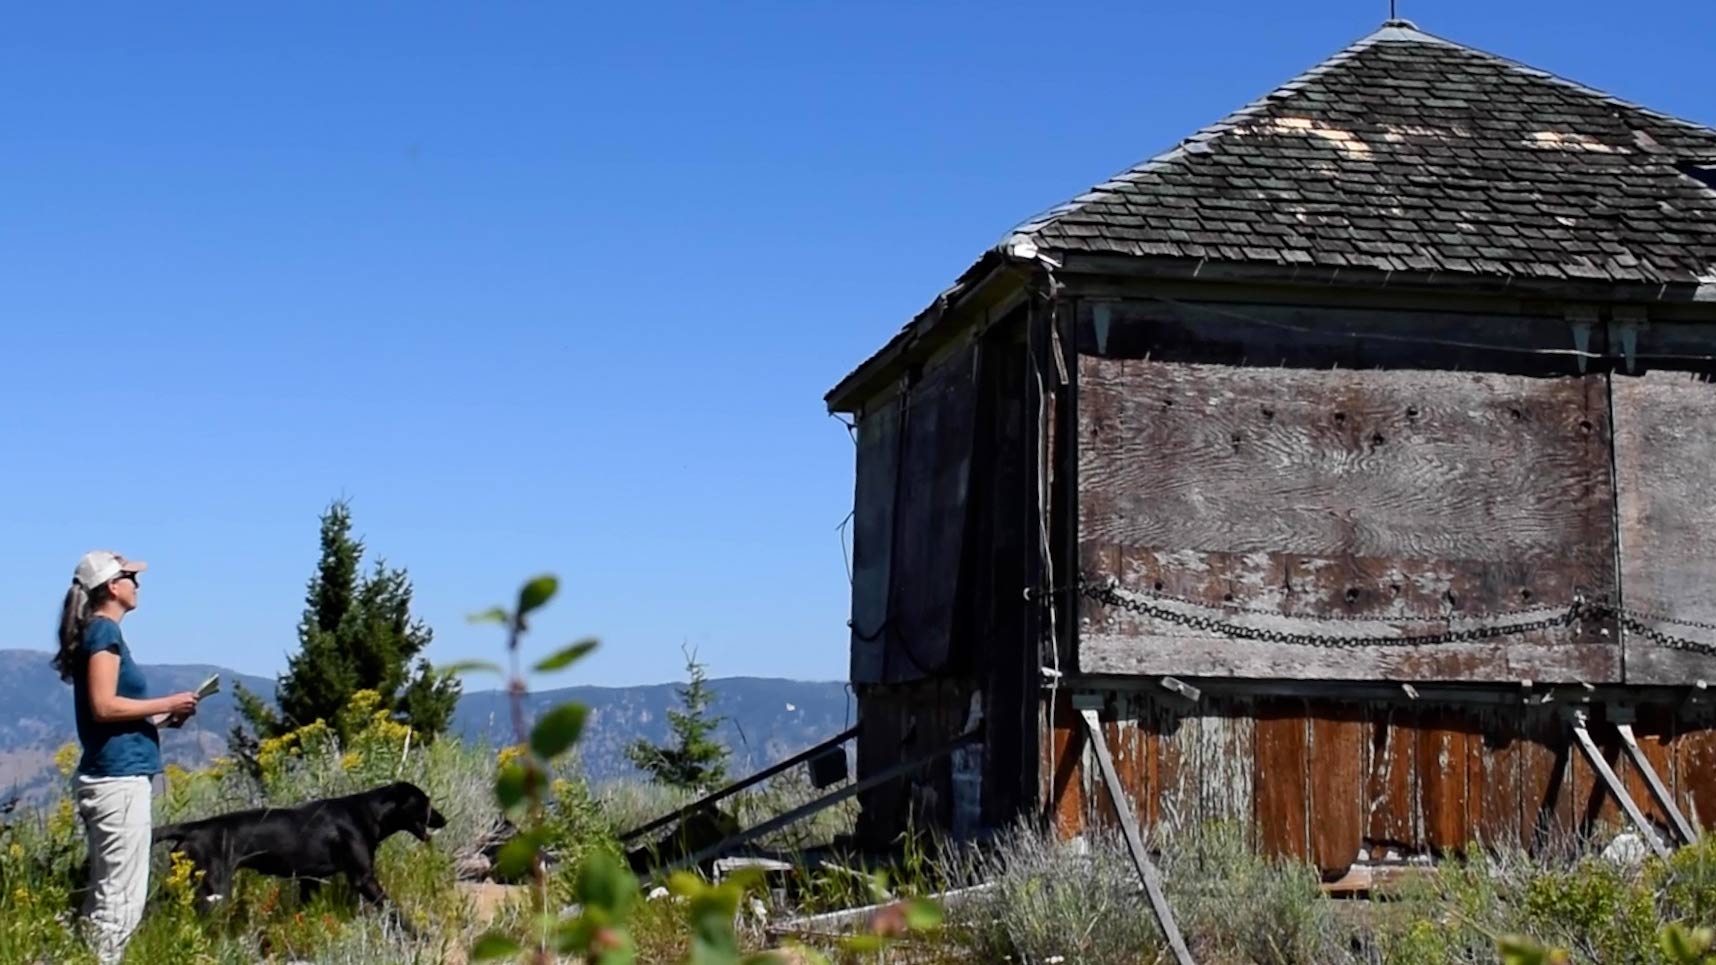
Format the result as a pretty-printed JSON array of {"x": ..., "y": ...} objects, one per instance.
[
  {"x": 370, "y": 889},
  {"x": 216, "y": 884},
  {"x": 215, "y": 881},
  {"x": 308, "y": 888}
]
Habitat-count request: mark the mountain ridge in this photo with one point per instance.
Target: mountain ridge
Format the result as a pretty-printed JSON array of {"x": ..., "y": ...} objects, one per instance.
[{"x": 767, "y": 718}]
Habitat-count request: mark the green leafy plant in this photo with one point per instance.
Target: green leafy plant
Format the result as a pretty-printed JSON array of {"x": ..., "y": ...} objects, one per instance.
[{"x": 607, "y": 893}]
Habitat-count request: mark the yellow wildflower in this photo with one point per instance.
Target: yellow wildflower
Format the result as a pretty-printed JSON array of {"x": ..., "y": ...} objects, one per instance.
[
  {"x": 182, "y": 879},
  {"x": 66, "y": 758}
]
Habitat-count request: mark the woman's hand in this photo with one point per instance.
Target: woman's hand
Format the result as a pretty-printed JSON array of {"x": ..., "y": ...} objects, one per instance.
[{"x": 180, "y": 705}]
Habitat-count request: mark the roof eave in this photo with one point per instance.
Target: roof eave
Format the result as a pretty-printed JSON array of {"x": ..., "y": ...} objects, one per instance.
[
  {"x": 1702, "y": 290},
  {"x": 991, "y": 268}
]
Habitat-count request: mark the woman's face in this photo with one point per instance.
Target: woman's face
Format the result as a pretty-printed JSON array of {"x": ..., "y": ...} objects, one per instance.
[{"x": 124, "y": 590}]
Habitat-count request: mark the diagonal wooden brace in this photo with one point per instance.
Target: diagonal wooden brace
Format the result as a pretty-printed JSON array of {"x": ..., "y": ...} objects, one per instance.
[
  {"x": 1664, "y": 799},
  {"x": 1134, "y": 845},
  {"x": 1607, "y": 773}
]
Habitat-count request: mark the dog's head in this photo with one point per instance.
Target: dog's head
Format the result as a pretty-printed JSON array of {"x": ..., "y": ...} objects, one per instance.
[{"x": 405, "y": 807}]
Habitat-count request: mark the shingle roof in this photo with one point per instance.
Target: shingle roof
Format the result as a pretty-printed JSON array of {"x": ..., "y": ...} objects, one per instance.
[
  {"x": 1407, "y": 152},
  {"x": 1404, "y": 153}
]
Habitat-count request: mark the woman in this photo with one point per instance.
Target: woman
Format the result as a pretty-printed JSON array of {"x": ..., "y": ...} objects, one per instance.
[{"x": 116, "y": 724}]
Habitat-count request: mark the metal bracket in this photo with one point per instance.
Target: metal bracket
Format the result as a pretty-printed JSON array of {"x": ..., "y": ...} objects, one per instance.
[
  {"x": 1134, "y": 846},
  {"x": 1582, "y": 318},
  {"x": 1102, "y": 315},
  {"x": 1695, "y": 695},
  {"x": 1629, "y": 320},
  {"x": 1182, "y": 688}
]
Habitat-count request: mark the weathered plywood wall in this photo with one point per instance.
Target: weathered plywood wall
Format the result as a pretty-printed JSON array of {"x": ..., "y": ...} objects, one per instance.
[
  {"x": 1378, "y": 502},
  {"x": 1333, "y": 782},
  {"x": 1665, "y": 463}
]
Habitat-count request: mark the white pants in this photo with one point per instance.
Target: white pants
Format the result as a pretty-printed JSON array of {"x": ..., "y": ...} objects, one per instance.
[{"x": 116, "y": 816}]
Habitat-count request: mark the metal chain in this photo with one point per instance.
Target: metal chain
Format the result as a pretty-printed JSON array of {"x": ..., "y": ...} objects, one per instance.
[
  {"x": 1230, "y": 607},
  {"x": 1578, "y": 611}
]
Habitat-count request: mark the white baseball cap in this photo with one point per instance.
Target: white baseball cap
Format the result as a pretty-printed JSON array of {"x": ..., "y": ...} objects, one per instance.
[{"x": 99, "y": 566}]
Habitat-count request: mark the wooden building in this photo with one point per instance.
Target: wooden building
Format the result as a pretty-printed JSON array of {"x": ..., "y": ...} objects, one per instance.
[{"x": 1351, "y": 460}]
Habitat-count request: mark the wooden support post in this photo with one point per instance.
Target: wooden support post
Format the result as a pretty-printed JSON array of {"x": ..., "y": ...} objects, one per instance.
[
  {"x": 827, "y": 800},
  {"x": 740, "y": 785},
  {"x": 1146, "y": 871},
  {"x": 1681, "y": 826},
  {"x": 1616, "y": 788}
]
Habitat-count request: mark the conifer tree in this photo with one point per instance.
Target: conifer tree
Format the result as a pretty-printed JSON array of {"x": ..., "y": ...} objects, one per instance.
[
  {"x": 694, "y": 760},
  {"x": 356, "y": 633}
]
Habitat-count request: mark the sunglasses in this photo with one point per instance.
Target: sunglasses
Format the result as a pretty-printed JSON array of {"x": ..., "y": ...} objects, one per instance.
[{"x": 129, "y": 576}]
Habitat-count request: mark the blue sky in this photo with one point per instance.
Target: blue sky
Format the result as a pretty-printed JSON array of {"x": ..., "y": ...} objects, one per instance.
[{"x": 555, "y": 288}]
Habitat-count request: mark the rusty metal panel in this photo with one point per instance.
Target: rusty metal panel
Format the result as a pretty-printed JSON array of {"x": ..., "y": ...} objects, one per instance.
[
  {"x": 1337, "y": 786},
  {"x": 1340, "y": 502},
  {"x": 1665, "y": 453}
]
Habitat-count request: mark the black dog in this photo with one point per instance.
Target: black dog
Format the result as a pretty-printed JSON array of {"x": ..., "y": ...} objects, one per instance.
[{"x": 310, "y": 842}]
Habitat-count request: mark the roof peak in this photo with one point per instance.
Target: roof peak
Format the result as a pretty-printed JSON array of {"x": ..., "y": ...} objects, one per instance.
[{"x": 1399, "y": 30}]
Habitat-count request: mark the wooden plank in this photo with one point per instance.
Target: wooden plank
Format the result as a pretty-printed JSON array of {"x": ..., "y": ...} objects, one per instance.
[
  {"x": 1134, "y": 845},
  {"x": 1695, "y": 767},
  {"x": 1280, "y": 778},
  {"x": 1663, "y": 454},
  {"x": 1612, "y": 782},
  {"x": 1227, "y": 753},
  {"x": 1658, "y": 800},
  {"x": 1390, "y": 799},
  {"x": 1442, "y": 773},
  {"x": 1337, "y": 786},
  {"x": 894, "y": 772},
  {"x": 1177, "y": 765},
  {"x": 1273, "y": 332},
  {"x": 735, "y": 787},
  {"x": 1651, "y": 727},
  {"x": 1548, "y": 795},
  {"x": 1132, "y": 746},
  {"x": 1158, "y": 654},
  {"x": 1493, "y": 765},
  {"x": 1344, "y": 494},
  {"x": 1064, "y": 768}
]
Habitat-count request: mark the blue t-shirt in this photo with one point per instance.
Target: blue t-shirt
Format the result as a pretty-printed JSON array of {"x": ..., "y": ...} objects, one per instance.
[{"x": 118, "y": 749}]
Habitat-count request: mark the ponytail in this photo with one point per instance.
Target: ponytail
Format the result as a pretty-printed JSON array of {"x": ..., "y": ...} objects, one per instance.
[{"x": 75, "y": 612}]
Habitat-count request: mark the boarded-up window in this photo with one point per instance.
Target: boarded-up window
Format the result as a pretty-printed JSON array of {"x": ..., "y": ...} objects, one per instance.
[
  {"x": 1335, "y": 503},
  {"x": 913, "y": 482}
]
